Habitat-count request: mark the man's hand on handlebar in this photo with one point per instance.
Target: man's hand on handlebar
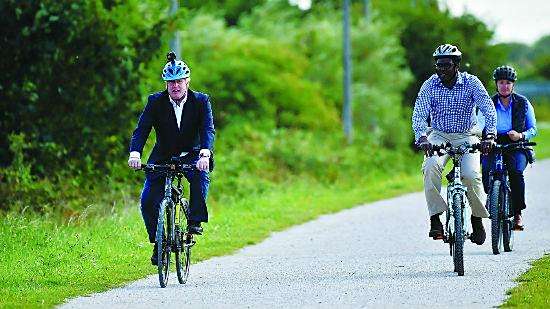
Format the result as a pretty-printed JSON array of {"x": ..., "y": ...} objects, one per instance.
[
  {"x": 203, "y": 164},
  {"x": 425, "y": 145},
  {"x": 487, "y": 144}
]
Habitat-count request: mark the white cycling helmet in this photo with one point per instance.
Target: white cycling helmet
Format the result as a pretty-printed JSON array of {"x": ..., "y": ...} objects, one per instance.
[
  {"x": 447, "y": 51},
  {"x": 175, "y": 69}
]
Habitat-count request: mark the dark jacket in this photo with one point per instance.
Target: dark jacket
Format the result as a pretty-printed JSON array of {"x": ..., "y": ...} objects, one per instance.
[{"x": 196, "y": 131}]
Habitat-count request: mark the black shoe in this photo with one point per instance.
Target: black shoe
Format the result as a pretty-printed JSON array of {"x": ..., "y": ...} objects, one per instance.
[
  {"x": 194, "y": 227},
  {"x": 436, "y": 228},
  {"x": 155, "y": 256},
  {"x": 478, "y": 235}
]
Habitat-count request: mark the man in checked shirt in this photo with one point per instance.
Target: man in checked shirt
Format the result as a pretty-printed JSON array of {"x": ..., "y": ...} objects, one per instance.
[{"x": 449, "y": 98}]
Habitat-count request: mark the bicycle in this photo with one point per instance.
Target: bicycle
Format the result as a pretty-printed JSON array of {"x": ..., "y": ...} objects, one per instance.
[
  {"x": 459, "y": 228},
  {"x": 499, "y": 206},
  {"x": 171, "y": 236}
]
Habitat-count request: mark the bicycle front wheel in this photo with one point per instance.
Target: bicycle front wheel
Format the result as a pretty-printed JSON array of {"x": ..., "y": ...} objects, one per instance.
[
  {"x": 163, "y": 225},
  {"x": 458, "y": 250},
  {"x": 182, "y": 267},
  {"x": 496, "y": 218},
  {"x": 184, "y": 240}
]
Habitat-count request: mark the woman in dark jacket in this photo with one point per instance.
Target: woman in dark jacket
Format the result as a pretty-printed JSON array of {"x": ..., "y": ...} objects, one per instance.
[{"x": 515, "y": 122}]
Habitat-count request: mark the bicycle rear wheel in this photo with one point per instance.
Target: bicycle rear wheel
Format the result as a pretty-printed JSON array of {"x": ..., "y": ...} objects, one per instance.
[
  {"x": 163, "y": 223},
  {"x": 496, "y": 218},
  {"x": 458, "y": 250},
  {"x": 508, "y": 225}
]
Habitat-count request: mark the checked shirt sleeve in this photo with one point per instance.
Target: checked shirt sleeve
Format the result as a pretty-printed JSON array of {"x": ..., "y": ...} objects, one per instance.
[
  {"x": 485, "y": 104},
  {"x": 421, "y": 111}
]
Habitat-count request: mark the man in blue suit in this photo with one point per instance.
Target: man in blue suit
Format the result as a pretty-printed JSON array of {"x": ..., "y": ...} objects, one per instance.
[{"x": 184, "y": 126}]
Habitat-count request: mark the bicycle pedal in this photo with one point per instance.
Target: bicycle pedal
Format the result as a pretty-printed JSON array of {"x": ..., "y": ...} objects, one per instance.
[{"x": 190, "y": 244}]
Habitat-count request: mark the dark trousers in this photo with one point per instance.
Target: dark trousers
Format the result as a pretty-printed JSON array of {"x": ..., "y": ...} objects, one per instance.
[
  {"x": 515, "y": 163},
  {"x": 153, "y": 193}
]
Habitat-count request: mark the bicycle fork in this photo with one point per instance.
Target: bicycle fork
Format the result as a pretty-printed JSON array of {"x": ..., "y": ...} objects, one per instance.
[{"x": 456, "y": 187}]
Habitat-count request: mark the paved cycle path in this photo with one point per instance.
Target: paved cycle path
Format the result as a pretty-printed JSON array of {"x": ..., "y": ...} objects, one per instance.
[{"x": 377, "y": 255}]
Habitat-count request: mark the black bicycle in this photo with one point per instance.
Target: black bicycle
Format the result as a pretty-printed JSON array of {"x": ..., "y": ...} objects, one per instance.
[
  {"x": 499, "y": 206},
  {"x": 457, "y": 223},
  {"x": 172, "y": 235}
]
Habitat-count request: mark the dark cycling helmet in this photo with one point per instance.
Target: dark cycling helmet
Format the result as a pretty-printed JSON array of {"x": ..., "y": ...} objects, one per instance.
[
  {"x": 175, "y": 69},
  {"x": 505, "y": 72},
  {"x": 447, "y": 51}
]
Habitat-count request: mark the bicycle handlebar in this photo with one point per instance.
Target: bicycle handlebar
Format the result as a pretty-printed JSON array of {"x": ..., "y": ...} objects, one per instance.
[
  {"x": 514, "y": 145},
  {"x": 168, "y": 167},
  {"x": 449, "y": 149}
]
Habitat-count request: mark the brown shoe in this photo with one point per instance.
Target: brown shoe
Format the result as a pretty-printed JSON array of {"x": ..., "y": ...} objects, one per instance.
[{"x": 518, "y": 223}]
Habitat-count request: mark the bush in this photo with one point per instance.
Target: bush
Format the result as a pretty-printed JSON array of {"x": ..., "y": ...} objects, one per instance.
[{"x": 73, "y": 73}]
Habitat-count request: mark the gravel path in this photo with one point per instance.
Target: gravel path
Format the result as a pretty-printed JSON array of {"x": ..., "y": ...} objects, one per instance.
[{"x": 374, "y": 255}]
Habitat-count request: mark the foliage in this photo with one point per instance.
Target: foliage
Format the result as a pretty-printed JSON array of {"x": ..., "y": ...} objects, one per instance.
[
  {"x": 318, "y": 36},
  {"x": 248, "y": 81},
  {"x": 231, "y": 10},
  {"x": 424, "y": 27},
  {"x": 532, "y": 62},
  {"x": 542, "y": 66},
  {"x": 73, "y": 73}
]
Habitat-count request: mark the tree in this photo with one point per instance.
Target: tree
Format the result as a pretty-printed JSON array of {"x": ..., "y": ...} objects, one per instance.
[
  {"x": 231, "y": 10},
  {"x": 424, "y": 26},
  {"x": 72, "y": 75}
]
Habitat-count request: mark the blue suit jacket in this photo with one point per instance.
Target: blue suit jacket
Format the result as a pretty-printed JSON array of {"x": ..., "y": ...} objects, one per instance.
[{"x": 196, "y": 130}]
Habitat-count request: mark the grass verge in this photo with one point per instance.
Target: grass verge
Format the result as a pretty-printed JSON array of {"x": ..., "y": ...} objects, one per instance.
[{"x": 45, "y": 263}]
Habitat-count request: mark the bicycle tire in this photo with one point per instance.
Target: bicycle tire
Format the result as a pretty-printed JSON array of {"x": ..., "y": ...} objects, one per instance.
[
  {"x": 458, "y": 251},
  {"x": 508, "y": 226},
  {"x": 182, "y": 269},
  {"x": 449, "y": 234},
  {"x": 496, "y": 226},
  {"x": 162, "y": 243}
]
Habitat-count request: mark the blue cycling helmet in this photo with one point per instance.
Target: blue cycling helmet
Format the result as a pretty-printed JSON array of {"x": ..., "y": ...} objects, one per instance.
[{"x": 175, "y": 69}]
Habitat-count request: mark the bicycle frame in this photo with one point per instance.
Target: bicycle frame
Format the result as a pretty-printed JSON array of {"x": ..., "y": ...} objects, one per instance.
[
  {"x": 499, "y": 205},
  {"x": 498, "y": 171},
  {"x": 454, "y": 187},
  {"x": 170, "y": 234},
  {"x": 173, "y": 211},
  {"x": 457, "y": 223}
]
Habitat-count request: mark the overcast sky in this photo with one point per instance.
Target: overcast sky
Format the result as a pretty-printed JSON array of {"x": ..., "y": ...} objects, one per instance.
[{"x": 513, "y": 20}]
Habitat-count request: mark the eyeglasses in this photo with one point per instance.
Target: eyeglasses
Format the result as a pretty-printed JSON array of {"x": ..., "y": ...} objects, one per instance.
[{"x": 443, "y": 65}]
